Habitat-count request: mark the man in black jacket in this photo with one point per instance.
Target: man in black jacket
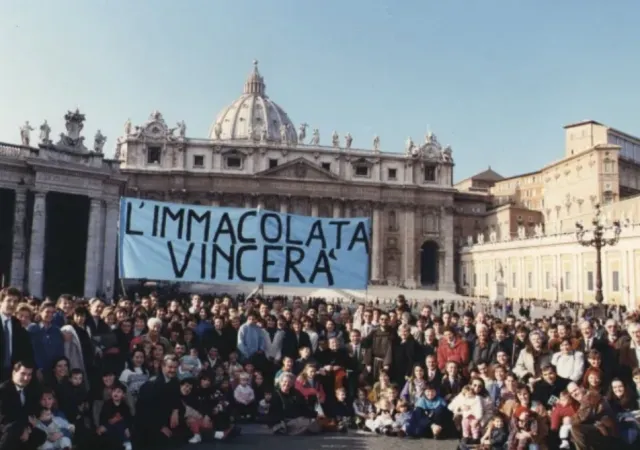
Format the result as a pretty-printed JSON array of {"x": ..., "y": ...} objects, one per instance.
[
  {"x": 19, "y": 404},
  {"x": 15, "y": 343},
  {"x": 157, "y": 409}
]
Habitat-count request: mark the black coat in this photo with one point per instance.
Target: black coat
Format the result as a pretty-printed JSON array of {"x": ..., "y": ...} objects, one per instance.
[
  {"x": 21, "y": 347},
  {"x": 14, "y": 417},
  {"x": 156, "y": 401},
  {"x": 291, "y": 344},
  {"x": 405, "y": 356}
]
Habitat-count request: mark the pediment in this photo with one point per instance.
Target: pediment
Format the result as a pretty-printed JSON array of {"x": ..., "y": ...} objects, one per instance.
[{"x": 299, "y": 168}]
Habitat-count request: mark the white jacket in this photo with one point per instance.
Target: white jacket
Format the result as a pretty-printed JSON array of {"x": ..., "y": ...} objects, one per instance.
[
  {"x": 569, "y": 366},
  {"x": 274, "y": 346}
]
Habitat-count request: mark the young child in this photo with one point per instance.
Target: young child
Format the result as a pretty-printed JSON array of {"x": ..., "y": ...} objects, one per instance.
[
  {"x": 342, "y": 411},
  {"x": 264, "y": 407},
  {"x": 115, "y": 418},
  {"x": 234, "y": 365},
  {"x": 452, "y": 381},
  {"x": 362, "y": 409},
  {"x": 401, "y": 419},
  {"x": 496, "y": 436},
  {"x": 57, "y": 430},
  {"x": 469, "y": 406},
  {"x": 561, "y": 415},
  {"x": 190, "y": 365},
  {"x": 244, "y": 398},
  {"x": 383, "y": 420},
  {"x": 80, "y": 397},
  {"x": 194, "y": 419}
]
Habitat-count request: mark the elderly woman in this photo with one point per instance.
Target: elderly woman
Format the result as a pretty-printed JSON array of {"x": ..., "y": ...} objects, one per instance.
[
  {"x": 533, "y": 357},
  {"x": 154, "y": 327},
  {"x": 484, "y": 349},
  {"x": 290, "y": 413}
]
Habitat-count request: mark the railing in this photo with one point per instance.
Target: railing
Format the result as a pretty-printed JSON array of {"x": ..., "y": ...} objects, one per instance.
[{"x": 55, "y": 155}]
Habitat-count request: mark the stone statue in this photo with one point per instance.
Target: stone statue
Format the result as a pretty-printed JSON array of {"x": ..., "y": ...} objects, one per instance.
[
  {"x": 522, "y": 233},
  {"x": 499, "y": 274},
  {"x": 348, "y": 139},
  {"x": 315, "y": 137},
  {"x": 127, "y": 127},
  {"x": 217, "y": 130},
  {"x": 410, "y": 146},
  {"x": 25, "y": 133},
  {"x": 538, "y": 230},
  {"x": 493, "y": 237},
  {"x": 302, "y": 132},
  {"x": 469, "y": 241},
  {"x": 335, "y": 139},
  {"x": 263, "y": 134},
  {"x": 376, "y": 143},
  {"x": 480, "y": 238},
  {"x": 45, "y": 131},
  {"x": 98, "y": 142},
  {"x": 447, "y": 154},
  {"x": 182, "y": 129},
  {"x": 283, "y": 134}
]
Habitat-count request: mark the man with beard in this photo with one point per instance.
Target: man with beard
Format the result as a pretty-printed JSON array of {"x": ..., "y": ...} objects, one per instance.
[{"x": 379, "y": 344}]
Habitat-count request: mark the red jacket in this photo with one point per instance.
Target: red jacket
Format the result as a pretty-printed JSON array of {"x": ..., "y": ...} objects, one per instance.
[
  {"x": 307, "y": 391},
  {"x": 459, "y": 353}
]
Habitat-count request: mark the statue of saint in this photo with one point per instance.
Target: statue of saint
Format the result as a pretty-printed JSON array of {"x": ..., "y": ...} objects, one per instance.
[
  {"x": 182, "y": 129},
  {"x": 376, "y": 143},
  {"x": 315, "y": 138},
  {"x": 127, "y": 127},
  {"x": 98, "y": 142},
  {"x": 25, "y": 133},
  {"x": 283, "y": 134},
  {"x": 335, "y": 139},
  {"x": 302, "y": 132},
  {"x": 45, "y": 131},
  {"x": 348, "y": 139},
  {"x": 410, "y": 145}
]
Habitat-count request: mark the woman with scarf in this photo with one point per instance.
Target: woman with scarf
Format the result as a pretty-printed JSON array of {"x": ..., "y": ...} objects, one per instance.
[
  {"x": 533, "y": 357},
  {"x": 415, "y": 385},
  {"x": 73, "y": 351}
]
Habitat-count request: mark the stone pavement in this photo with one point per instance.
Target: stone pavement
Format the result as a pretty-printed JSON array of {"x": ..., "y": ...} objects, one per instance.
[{"x": 349, "y": 441}]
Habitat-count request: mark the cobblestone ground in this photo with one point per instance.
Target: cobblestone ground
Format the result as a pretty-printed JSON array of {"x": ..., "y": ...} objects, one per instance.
[{"x": 326, "y": 441}]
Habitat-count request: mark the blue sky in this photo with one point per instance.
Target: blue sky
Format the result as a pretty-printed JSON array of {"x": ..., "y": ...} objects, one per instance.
[{"x": 496, "y": 79}]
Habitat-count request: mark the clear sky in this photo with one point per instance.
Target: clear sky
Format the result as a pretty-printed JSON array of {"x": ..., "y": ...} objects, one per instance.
[{"x": 496, "y": 79}]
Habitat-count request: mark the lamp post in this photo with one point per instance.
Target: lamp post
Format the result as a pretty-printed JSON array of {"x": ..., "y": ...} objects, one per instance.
[{"x": 598, "y": 241}]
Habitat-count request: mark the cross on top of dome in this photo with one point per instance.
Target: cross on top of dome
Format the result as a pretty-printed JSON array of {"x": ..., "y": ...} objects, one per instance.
[{"x": 255, "y": 82}]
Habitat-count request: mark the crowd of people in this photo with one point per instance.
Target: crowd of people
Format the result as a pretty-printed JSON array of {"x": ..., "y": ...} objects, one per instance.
[{"x": 159, "y": 372}]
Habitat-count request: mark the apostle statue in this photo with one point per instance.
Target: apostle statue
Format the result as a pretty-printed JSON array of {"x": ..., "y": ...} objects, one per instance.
[
  {"x": 335, "y": 139},
  {"x": 98, "y": 142},
  {"x": 182, "y": 129},
  {"x": 348, "y": 139},
  {"x": 45, "y": 131},
  {"x": 302, "y": 132},
  {"x": 25, "y": 133},
  {"x": 315, "y": 138},
  {"x": 376, "y": 143}
]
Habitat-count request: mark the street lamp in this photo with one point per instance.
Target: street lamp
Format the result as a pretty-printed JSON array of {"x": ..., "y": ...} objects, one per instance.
[{"x": 598, "y": 241}]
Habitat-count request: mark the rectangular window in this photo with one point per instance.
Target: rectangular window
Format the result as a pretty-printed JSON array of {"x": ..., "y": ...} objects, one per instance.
[
  {"x": 429, "y": 173},
  {"x": 567, "y": 280},
  {"x": 392, "y": 174},
  {"x": 234, "y": 162},
  {"x": 547, "y": 280},
  {"x": 615, "y": 281},
  {"x": 514, "y": 280},
  {"x": 153, "y": 155},
  {"x": 326, "y": 166},
  {"x": 273, "y": 163},
  {"x": 529, "y": 280},
  {"x": 362, "y": 171},
  {"x": 590, "y": 281},
  {"x": 198, "y": 161}
]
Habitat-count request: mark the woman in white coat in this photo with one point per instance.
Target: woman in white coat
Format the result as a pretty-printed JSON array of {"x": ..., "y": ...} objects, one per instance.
[{"x": 569, "y": 363}]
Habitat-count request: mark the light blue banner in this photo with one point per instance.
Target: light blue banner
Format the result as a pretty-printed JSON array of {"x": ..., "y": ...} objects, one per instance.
[{"x": 191, "y": 243}]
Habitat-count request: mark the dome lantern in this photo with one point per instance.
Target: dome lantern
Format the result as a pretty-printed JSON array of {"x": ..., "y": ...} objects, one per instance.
[{"x": 255, "y": 82}]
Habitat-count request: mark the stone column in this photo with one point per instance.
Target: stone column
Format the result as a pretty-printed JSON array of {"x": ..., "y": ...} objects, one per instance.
[
  {"x": 446, "y": 232},
  {"x": 347, "y": 210},
  {"x": 248, "y": 203},
  {"x": 314, "y": 208},
  {"x": 37, "y": 245},
  {"x": 284, "y": 205},
  {"x": 336, "y": 209},
  {"x": 110, "y": 244},
  {"x": 409, "y": 251},
  {"x": 19, "y": 245},
  {"x": 376, "y": 244},
  {"x": 261, "y": 202},
  {"x": 92, "y": 263}
]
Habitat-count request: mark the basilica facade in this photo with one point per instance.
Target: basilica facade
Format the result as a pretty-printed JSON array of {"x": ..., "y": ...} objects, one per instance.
[{"x": 254, "y": 156}]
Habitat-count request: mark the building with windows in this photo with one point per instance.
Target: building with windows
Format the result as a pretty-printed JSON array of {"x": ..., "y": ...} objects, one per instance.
[
  {"x": 254, "y": 156},
  {"x": 526, "y": 238}
]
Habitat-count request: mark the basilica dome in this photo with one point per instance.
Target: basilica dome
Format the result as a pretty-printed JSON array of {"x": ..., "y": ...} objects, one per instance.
[{"x": 253, "y": 116}]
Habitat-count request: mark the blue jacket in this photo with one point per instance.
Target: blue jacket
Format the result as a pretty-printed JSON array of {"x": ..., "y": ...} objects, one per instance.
[{"x": 48, "y": 346}]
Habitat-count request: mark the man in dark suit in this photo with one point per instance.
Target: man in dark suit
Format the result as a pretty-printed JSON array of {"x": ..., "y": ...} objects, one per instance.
[
  {"x": 15, "y": 343},
  {"x": 19, "y": 404},
  {"x": 358, "y": 370}
]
